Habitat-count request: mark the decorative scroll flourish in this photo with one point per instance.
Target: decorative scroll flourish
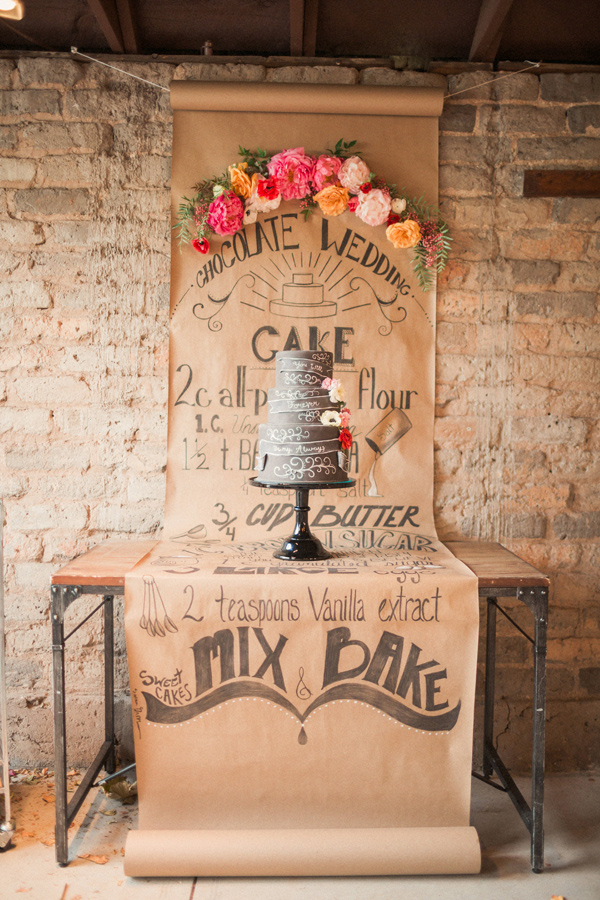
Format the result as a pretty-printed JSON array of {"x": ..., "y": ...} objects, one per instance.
[
  {"x": 391, "y": 310},
  {"x": 161, "y": 713},
  {"x": 210, "y": 313}
]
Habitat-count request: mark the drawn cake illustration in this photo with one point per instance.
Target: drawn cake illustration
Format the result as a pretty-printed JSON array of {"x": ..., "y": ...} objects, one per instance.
[
  {"x": 302, "y": 298},
  {"x": 295, "y": 447}
]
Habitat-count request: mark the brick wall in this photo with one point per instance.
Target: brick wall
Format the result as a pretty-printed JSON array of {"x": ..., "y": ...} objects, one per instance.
[{"x": 84, "y": 250}]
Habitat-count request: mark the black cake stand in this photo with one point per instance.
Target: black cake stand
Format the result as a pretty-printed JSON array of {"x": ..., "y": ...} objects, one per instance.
[{"x": 302, "y": 545}]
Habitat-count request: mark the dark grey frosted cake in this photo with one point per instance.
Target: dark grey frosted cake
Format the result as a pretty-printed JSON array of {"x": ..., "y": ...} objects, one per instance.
[{"x": 294, "y": 446}]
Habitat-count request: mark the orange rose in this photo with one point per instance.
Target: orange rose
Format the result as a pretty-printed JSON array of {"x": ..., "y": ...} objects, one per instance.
[
  {"x": 241, "y": 182},
  {"x": 404, "y": 235},
  {"x": 333, "y": 199}
]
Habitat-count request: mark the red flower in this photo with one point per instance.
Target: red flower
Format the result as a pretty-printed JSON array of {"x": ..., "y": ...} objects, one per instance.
[
  {"x": 267, "y": 189},
  {"x": 201, "y": 246},
  {"x": 352, "y": 204},
  {"x": 345, "y": 438},
  {"x": 393, "y": 218},
  {"x": 366, "y": 187}
]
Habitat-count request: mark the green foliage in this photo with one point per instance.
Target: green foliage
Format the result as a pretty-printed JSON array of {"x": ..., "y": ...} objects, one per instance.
[
  {"x": 344, "y": 149},
  {"x": 256, "y": 159},
  {"x": 429, "y": 256}
]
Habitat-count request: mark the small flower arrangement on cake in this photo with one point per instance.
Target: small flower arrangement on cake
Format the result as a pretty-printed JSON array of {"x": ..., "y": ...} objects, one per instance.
[
  {"x": 335, "y": 181},
  {"x": 338, "y": 417}
]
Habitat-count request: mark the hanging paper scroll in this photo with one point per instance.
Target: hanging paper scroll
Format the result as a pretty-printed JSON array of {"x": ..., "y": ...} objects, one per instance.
[{"x": 322, "y": 712}]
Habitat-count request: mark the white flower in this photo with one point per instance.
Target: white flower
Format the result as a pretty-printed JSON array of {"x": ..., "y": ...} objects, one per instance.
[
  {"x": 250, "y": 215},
  {"x": 398, "y": 205},
  {"x": 337, "y": 393},
  {"x": 331, "y": 417}
]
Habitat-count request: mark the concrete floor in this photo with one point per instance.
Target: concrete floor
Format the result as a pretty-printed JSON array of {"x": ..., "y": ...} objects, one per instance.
[{"x": 572, "y": 856}]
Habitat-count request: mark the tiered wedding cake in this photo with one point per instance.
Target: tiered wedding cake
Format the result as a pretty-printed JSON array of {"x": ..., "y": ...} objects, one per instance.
[{"x": 296, "y": 446}]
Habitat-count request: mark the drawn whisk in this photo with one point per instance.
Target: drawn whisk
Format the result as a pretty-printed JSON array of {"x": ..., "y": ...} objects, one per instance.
[{"x": 151, "y": 617}]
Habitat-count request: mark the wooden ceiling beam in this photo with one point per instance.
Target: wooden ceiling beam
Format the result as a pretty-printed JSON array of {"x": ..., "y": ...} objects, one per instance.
[
  {"x": 106, "y": 15},
  {"x": 296, "y": 27},
  {"x": 129, "y": 27},
  {"x": 489, "y": 29},
  {"x": 311, "y": 15}
]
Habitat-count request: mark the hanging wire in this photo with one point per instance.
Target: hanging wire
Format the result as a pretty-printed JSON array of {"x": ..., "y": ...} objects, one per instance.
[
  {"x": 494, "y": 80},
  {"x": 101, "y": 62},
  {"x": 474, "y": 87}
]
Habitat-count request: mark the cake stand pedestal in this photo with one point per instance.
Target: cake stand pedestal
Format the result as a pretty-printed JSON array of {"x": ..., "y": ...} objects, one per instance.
[{"x": 302, "y": 545}]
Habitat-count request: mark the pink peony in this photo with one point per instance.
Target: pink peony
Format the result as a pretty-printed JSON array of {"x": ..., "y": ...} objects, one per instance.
[
  {"x": 292, "y": 172},
  {"x": 353, "y": 173},
  {"x": 226, "y": 213},
  {"x": 374, "y": 208},
  {"x": 345, "y": 417},
  {"x": 326, "y": 170}
]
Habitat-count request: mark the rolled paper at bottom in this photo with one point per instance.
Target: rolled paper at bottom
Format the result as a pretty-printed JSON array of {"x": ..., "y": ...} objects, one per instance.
[{"x": 303, "y": 852}]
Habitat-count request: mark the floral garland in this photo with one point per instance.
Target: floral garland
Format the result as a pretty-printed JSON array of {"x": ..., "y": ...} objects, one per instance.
[
  {"x": 335, "y": 181},
  {"x": 339, "y": 419}
]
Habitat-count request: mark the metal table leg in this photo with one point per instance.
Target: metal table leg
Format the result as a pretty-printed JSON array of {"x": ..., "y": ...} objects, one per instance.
[
  {"x": 61, "y": 598},
  {"x": 109, "y": 683},
  {"x": 540, "y": 603},
  {"x": 490, "y": 684},
  {"x": 57, "y": 606},
  {"x": 533, "y": 816}
]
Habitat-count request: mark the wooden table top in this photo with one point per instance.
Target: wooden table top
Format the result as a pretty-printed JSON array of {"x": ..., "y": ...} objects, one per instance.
[{"x": 108, "y": 563}]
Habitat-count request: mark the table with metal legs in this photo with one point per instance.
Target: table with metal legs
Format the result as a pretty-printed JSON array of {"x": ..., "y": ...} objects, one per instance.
[{"x": 501, "y": 574}]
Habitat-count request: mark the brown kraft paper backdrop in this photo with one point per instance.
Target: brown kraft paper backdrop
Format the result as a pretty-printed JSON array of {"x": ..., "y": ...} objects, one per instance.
[{"x": 320, "y": 706}]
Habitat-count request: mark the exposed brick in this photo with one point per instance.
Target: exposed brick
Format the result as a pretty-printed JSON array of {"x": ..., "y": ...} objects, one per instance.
[
  {"x": 383, "y": 75},
  {"x": 470, "y": 81},
  {"x": 7, "y": 67},
  {"x": 8, "y": 137},
  {"x": 18, "y": 234},
  {"x": 28, "y": 421},
  {"x": 517, "y": 87},
  {"x": 542, "y": 243},
  {"x": 548, "y": 430},
  {"x": 71, "y": 136},
  {"x": 312, "y": 75},
  {"x": 533, "y": 120},
  {"x": 52, "y": 202},
  {"x": 565, "y": 88},
  {"x": 558, "y": 150},
  {"x": 464, "y": 181},
  {"x": 550, "y": 305},
  {"x": 55, "y": 457},
  {"x": 46, "y": 390},
  {"x": 28, "y": 516},
  {"x": 153, "y": 138},
  {"x": 577, "y": 526},
  {"x": 66, "y": 171},
  {"x": 17, "y": 294},
  {"x": 541, "y": 272},
  {"x": 584, "y": 119},
  {"x": 16, "y": 171},
  {"x": 43, "y": 71},
  {"x": 458, "y": 118},
  {"x": 84, "y": 417},
  {"x": 215, "y": 72},
  {"x": 578, "y": 211},
  {"x": 29, "y": 103},
  {"x": 462, "y": 149}
]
